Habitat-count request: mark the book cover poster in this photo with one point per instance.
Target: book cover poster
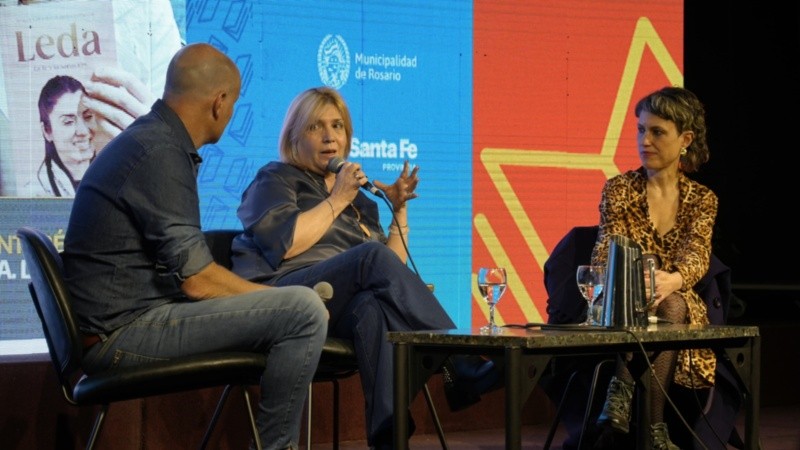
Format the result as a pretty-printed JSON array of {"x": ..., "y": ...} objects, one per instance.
[{"x": 49, "y": 51}]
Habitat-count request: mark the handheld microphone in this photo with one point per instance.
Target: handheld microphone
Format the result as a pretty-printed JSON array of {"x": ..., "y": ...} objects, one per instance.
[
  {"x": 324, "y": 290},
  {"x": 335, "y": 165}
]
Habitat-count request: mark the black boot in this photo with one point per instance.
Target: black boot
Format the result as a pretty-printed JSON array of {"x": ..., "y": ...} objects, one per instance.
[
  {"x": 617, "y": 409},
  {"x": 659, "y": 437},
  {"x": 466, "y": 378}
]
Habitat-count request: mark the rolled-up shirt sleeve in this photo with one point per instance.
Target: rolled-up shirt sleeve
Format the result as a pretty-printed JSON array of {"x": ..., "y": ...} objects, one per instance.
[
  {"x": 269, "y": 212},
  {"x": 170, "y": 218}
]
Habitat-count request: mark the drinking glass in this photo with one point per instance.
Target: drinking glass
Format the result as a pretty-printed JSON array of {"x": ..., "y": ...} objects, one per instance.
[
  {"x": 492, "y": 285},
  {"x": 590, "y": 283}
]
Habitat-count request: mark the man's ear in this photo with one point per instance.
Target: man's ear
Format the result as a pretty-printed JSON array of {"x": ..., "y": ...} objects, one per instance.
[{"x": 216, "y": 106}]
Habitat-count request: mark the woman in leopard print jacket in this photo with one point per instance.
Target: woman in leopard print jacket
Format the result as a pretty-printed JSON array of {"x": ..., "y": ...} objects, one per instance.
[{"x": 672, "y": 217}]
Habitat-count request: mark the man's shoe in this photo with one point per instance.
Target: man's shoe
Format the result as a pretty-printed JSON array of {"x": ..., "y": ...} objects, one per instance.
[
  {"x": 466, "y": 378},
  {"x": 617, "y": 409}
]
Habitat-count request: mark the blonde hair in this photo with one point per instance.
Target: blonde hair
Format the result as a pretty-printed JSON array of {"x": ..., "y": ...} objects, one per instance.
[{"x": 305, "y": 109}]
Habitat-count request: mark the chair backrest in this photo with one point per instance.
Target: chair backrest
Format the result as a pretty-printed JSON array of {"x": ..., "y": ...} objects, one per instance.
[
  {"x": 52, "y": 301},
  {"x": 564, "y": 302},
  {"x": 219, "y": 242}
]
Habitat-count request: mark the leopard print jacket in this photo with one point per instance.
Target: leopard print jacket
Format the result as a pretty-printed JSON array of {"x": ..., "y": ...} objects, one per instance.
[{"x": 686, "y": 248}]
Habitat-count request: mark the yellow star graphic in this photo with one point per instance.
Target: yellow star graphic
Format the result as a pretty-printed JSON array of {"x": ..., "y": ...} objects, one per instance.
[{"x": 644, "y": 36}]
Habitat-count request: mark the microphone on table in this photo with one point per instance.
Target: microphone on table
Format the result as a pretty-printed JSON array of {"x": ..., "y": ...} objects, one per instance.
[
  {"x": 336, "y": 164},
  {"x": 324, "y": 290}
]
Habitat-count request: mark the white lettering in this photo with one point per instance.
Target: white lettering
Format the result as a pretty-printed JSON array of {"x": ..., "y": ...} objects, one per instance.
[
  {"x": 386, "y": 60},
  {"x": 383, "y": 149},
  {"x": 407, "y": 149},
  {"x": 23, "y": 268},
  {"x": 391, "y": 167},
  {"x": 5, "y": 270},
  {"x": 383, "y": 75}
]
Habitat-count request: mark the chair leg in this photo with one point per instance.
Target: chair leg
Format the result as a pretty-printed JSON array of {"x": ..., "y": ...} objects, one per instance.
[
  {"x": 309, "y": 402},
  {"x": 220, "y": 404},
  {"x": 335, "y": 414},
  {"x": 253, "y": 427},
  {"x": 589, "y": 402},
  {"x": 214, "y": 418},
  {"x": 335, "y": 417},
  {"x": 98, "y": 424},
  {"x": 436, "y": 422},
  {"x": 559, "y": 411}
]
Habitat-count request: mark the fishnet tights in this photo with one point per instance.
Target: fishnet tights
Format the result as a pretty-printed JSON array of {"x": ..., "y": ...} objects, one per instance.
[{"x": 674, "y": 310}]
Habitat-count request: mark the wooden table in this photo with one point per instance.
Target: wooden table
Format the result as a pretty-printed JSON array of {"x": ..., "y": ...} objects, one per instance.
[{"x": 419, "y": 354}]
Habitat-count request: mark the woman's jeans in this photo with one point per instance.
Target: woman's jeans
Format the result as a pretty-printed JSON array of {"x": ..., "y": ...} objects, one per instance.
[
  {"x": 373, "y": 292},
  {"x": 288, "y": 324}
]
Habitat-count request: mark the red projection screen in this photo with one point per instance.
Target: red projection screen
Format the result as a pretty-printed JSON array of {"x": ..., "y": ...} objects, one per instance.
[{"x": 553, "y": 91}]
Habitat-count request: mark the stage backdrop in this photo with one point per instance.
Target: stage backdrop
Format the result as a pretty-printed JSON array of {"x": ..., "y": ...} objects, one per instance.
[{"x": 515, "y": 112}]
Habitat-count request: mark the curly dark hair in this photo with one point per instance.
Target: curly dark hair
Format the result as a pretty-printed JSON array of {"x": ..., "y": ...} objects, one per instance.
[{"x": 682, "y": 107}]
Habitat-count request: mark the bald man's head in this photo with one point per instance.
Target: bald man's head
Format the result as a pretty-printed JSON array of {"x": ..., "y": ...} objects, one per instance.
[
  {"x": 200, "y": 70},
  {"x": 202, "y": 87}
]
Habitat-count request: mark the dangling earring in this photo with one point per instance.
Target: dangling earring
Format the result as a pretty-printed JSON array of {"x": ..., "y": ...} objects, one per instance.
[{"x": 683, "y": 151}]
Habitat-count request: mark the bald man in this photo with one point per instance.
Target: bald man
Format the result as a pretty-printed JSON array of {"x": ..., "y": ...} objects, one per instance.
[{"x": 143, "y": 282}]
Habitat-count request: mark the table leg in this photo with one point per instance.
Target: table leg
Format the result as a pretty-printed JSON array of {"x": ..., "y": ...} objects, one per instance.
[
  {"x": 753, "y": 400},
  {"x": 643, "y": 409},
  {"x": 513, "y": 357},
  {"x": 401, "y": 381},
  {"x": 745, "y": 363}
]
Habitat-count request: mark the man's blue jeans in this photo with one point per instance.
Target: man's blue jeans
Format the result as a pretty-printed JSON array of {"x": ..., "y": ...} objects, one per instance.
[{"x": 288, "y": 323}]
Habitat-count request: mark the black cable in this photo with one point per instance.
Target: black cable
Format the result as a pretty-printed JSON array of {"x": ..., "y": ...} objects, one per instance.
[
  {"x": 663, "y": 391},
  {"x": 559, "y": 326},
  {"x": 402, "y": 238},
  {"x": 700, "y": 407}
]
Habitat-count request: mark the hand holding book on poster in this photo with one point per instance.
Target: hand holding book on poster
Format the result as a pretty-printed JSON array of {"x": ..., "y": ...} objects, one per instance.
[{"x": 117, "y": 97}]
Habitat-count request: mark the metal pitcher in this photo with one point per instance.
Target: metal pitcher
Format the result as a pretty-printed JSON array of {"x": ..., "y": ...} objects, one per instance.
[{"x": 624, "y": 297}]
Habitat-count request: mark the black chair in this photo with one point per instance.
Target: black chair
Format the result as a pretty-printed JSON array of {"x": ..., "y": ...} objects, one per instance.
[
  {"x": 53, "y": 305},
  {"x": 338, "y": 358},
  {"x": 565, "y": 305},
  {"x": 569, "y": 389}
]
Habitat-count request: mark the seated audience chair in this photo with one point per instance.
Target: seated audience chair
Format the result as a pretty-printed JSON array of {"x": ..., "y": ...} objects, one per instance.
[
  {"x": 566, "y": 305},
  {"x": 53, "y": 305},
  {"x": 338, "y": 358}
]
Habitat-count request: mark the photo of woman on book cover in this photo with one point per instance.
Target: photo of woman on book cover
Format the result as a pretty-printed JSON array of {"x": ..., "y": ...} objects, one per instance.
[{"x": 68, "y": 129}]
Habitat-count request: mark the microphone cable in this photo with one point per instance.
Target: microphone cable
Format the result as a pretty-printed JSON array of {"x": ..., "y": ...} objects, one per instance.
[
  {"x": 402, "y": 238},
  {"x": 335, "y": 165}
]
